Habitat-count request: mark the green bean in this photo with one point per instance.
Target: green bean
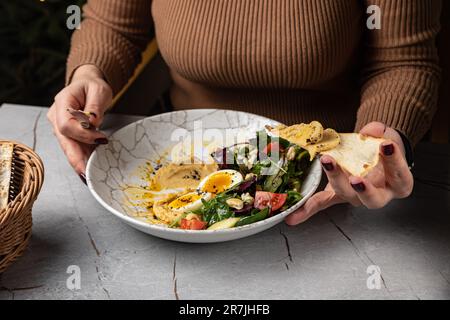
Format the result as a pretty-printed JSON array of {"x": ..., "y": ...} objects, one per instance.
[
  {"x": 302, "y": 155},
  {"x": 261, "y": 215}
]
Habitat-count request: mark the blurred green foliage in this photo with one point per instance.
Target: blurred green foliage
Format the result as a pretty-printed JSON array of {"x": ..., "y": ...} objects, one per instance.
[{"x": 34, "y": 42}]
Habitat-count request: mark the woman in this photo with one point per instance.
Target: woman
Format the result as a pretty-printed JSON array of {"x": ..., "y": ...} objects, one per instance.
[{"x": 291, "y": 60}]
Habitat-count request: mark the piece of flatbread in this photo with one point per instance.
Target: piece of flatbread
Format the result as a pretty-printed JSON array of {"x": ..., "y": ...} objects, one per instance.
[
  {"x": 302, "y": 134},
  {"x": 311, "y": 137},
  {"x": 330, "y": 140},
  {"x": 356, "y": 153},
  {"x": 6, "y": 155}
]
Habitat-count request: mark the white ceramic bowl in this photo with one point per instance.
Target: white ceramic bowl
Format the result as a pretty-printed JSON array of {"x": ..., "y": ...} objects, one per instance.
[{"x": 115, "y": 165}]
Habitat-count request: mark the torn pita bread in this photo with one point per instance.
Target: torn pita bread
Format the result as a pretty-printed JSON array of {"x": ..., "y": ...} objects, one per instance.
[
  {"x": 6, "y": 155},
  {"x": 354, "y": 152},
  {"x": 357, "y": 153},
  {"x": 301, "y": 134},
  {"x": 330, "y": 140},
  {"x": 311, "y": 137}
]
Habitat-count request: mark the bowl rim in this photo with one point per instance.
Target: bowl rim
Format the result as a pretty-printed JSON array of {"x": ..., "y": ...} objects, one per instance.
[{"x": 160, "y": 227}]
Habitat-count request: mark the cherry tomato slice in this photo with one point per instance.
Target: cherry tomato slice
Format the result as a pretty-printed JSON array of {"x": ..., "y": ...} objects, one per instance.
[
  {"x": 264, "y": 199},
  {"x": 272, "y": 147},
  {"x": 192, "y": 224}
]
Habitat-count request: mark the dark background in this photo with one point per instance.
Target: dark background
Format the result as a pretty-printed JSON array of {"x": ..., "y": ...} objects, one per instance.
[
  {"x": 35, "y": 42},
  {"x": 33, "y": 49}
]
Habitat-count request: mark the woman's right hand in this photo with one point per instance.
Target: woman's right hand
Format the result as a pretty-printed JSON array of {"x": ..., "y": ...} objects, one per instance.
[{"x": 88, "y": 91}]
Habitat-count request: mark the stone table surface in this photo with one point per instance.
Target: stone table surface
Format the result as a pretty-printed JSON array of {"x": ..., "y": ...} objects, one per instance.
[{"x": 330, "y": 256}]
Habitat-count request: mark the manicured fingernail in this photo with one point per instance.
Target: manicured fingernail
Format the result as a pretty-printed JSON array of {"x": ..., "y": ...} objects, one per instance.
[
  {"x": 101, "y": 141},
  {"x": 388, "y": 150},
  {"x": 83, "y": 178},
  {"x": 85, "y": 124},
  {"x": 328, "y": 166},
  {"x": 359, "y": 187},
  {"x": 93, "y": 114}
]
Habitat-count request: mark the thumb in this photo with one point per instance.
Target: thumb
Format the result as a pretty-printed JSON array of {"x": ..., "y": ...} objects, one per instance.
[
  {"x": 374, "y": 129},
  {"x": 98, "y": 99},
  {"x": 318, "y": 202}
]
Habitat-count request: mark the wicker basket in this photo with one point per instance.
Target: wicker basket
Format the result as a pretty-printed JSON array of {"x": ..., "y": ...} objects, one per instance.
[{"x": 15, "y": 220}]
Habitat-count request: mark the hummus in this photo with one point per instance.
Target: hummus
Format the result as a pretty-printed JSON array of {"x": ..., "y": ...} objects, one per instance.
[
  {"x": 174, "y": 175},
  {"x": 162, "y": 211}
]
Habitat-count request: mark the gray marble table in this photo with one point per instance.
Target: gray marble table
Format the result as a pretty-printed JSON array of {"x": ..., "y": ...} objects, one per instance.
[{"x": 328, "y": 257}]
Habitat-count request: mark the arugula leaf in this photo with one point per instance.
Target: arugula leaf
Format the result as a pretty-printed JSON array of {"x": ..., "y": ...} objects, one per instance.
[
  {"x": 259, "y": 165},
  {"x": 216, "y": 209},
  {"x": 292, "y": 198},
  {"x": 274, "y": 181},
  {"x": 289, "y": 169}
]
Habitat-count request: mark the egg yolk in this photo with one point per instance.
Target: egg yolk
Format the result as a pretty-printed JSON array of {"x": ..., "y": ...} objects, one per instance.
[
  {"x": 184, "y": 200},
  {"x": 217, "y": 183}
]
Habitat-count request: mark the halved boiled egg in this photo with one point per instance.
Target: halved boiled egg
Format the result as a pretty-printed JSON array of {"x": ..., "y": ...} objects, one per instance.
[
  {"x": 189, "y": 202},
  {"x": 220, "y": 181}
]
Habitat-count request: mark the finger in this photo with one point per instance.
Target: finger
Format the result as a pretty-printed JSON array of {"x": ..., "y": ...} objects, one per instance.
[
  {"x": 339, "y": 180},
  {"x": 380, "y": 130},
  {"x": 398, "y": 176},
  {"x": 98, "y": 99},
  {"x": 70, "y": 127},
  {"x": 65, "y": 122},
  {"x": 370, "y": 196},
  {"x": 319, "y": 201},
  {"x": 73, "y": 130},
  {"x": 76, "y": 153},
  {"x": 374, "y": 129},
  {"x": 51, "y": 114}
]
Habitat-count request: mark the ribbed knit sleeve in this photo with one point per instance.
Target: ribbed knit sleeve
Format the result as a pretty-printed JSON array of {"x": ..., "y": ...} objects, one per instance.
[
  {"x": 401, "y": 73},
  {"x": 112, "y": 36}
]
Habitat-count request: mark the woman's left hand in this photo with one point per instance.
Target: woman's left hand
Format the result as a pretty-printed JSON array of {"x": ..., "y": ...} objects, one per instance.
[{"x": 390, "y": 179}]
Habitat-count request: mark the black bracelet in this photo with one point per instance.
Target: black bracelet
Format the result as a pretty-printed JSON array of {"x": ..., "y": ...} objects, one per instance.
[{"x": 409, "y": 153}]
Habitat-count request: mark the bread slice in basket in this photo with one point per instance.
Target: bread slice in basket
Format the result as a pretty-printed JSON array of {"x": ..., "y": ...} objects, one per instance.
[{"x": 6, "y": 157}]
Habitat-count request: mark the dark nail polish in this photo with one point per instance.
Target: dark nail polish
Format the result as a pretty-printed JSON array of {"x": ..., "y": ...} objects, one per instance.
[
  {"x": 388, "y": 150},
  {"x": 101, "y": 141},
  {"x": 85, "y": 124},
  {"x": 328, "y": 166},
  {"x": 359, "y": 187},
  {"x": 94, "y": 114},
  {"x": 83, "y": 178}
]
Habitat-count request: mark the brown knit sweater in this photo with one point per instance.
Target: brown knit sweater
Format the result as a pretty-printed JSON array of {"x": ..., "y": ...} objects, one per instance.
[{"x": 291, "y": 60}]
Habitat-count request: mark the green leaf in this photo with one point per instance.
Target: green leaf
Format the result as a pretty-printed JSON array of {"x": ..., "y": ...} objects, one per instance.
[
  {"x": 292, "y": 198},
  {"x": 216, "y": 209}
]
